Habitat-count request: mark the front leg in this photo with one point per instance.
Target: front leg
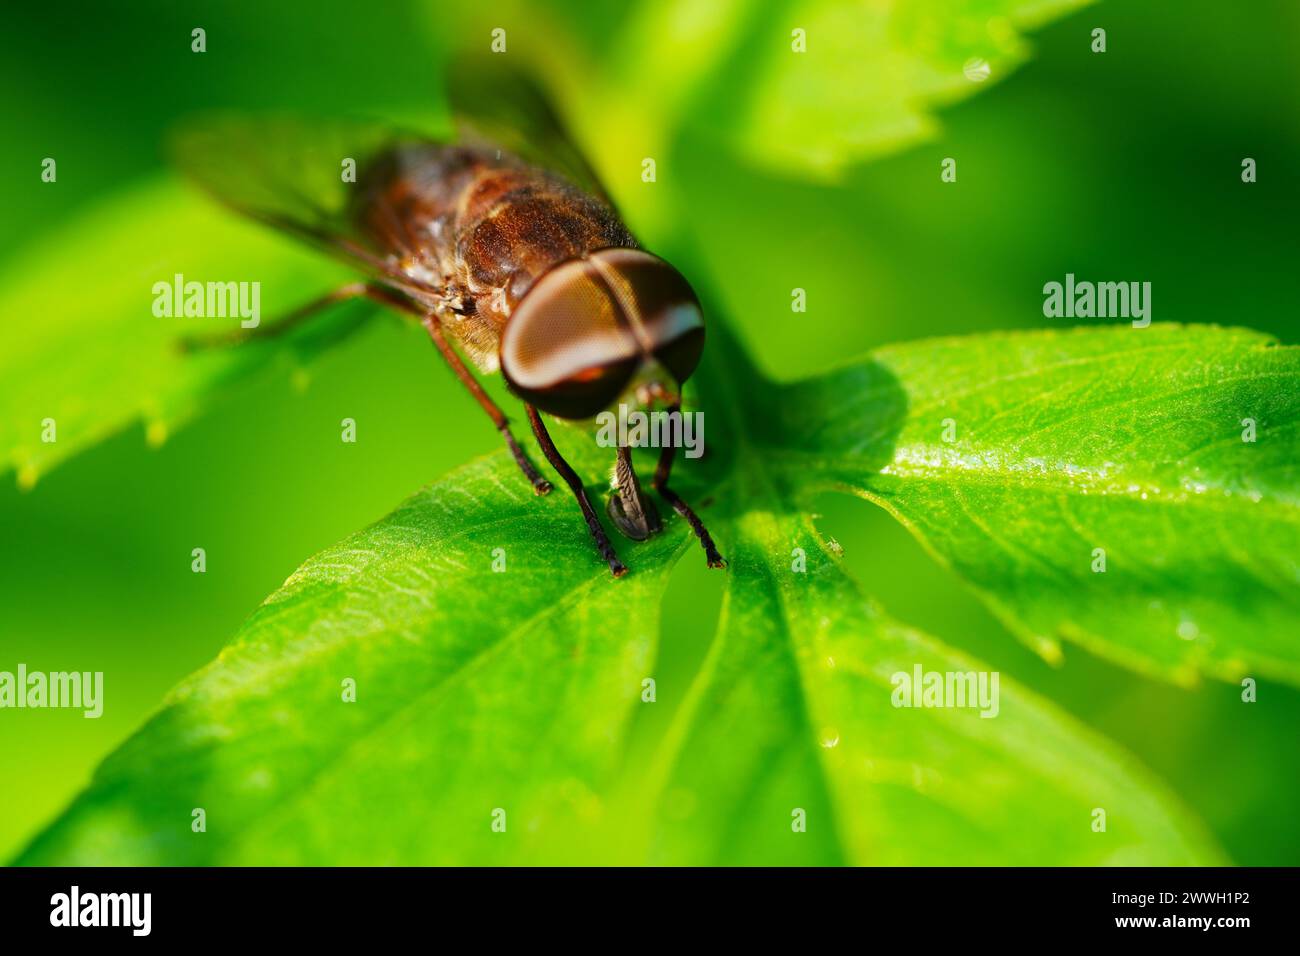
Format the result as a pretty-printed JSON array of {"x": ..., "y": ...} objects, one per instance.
[
  {"x": 662, "y": 473},
  {"x": 616, "y": 567}
]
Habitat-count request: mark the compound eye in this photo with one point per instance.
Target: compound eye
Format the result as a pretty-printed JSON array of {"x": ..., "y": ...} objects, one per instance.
[
  {"x": 681, "y": 355},
  {"x": 584, "y": 395},
  {"x": 565, "y": 349},
  {"x": 668, "y": 312}
]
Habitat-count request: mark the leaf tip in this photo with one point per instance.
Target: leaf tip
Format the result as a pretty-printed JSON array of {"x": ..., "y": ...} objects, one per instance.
[
  {"x": 1049, "y": 650},
  {"x": 26, "y": 477},
  {"x": 1187, "y": 676},
  {"x": 155, "y": 434}
]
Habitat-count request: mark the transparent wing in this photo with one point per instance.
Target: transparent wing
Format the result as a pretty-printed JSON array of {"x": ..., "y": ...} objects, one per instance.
[
  {"x": 289, "y": 172},
  {"x": 496, "y": 105}
]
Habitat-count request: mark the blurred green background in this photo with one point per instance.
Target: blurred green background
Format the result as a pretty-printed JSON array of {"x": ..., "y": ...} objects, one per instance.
[{"x": 1122, "y": 165}]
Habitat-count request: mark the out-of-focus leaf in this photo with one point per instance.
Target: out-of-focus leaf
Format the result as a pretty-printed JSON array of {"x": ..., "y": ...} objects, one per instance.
[
  {"x": 872, "y": 75},
  {"x": 868, "y": 79},
  {"x": 1017, "y": 457},
  {"x": 101, "y": 360}
]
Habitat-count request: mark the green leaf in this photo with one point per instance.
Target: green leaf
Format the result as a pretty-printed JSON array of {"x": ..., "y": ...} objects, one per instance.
[
  {"x": 478, "y": 691},
  {"x": 101, "y": 360},
  {"x": 872, "y": 75},
  {"x": 866, "y": 84},
  {"x": 474, "y": 690},
  {"x": 1125, "y": 440},
  {"x": 794, "y": 709}
]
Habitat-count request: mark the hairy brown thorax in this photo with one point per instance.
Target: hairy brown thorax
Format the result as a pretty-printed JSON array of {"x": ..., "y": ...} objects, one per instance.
[{"x": 482, "y": 225}]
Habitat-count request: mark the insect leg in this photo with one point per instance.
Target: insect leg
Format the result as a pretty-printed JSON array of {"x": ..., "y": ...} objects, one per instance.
[
  {"x": 353, "y": 290},
  {"x": 631, "y": 511},
  {"x": 430, "y": 321},
  {"x": 665, "y": 468},
  {"x": 616, "y": 567}
]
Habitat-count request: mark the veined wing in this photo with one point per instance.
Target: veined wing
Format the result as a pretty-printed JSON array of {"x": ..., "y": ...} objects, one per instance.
[
  {"x": 296, "y": 175},
  {"x": 290, "y": 172},
  {"x": 494, "y": 104}
]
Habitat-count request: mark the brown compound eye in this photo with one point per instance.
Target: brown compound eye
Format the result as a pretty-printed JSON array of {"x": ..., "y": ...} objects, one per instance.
[
  {"x": 682, "y": 354},
  {"x": 581, "y": 332},
  {"x": 568, "y": 348},
  {"x": 665, "y": 314}
]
